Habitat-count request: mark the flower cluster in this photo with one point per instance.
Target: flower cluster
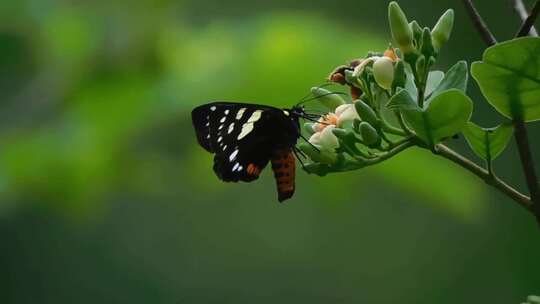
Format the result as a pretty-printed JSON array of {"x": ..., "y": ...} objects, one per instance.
[{"x": 356, "y": 132}]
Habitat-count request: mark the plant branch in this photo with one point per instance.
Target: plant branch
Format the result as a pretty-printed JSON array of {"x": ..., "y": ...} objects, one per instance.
[
  {"x": 521, "y": 10},
  {"x": 479, "y": 23},
  {"x": 520, "y": 131},
  {"x": 529, "y": 22},
  {"x": 482, "y": 173},
  {"x": 396, "y": 150},
  {"x": 527, "y": 164}
]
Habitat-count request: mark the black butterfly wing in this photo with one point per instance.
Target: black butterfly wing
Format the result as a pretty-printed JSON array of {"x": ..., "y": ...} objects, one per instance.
[{"x": 238, "y": 134}]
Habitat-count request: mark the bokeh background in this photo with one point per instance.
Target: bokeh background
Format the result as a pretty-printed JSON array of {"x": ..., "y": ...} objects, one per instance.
[{"x": 105, "y": 196}]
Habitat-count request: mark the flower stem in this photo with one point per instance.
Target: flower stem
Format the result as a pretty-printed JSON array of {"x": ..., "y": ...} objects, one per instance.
[{"x": 396, "y": 150}]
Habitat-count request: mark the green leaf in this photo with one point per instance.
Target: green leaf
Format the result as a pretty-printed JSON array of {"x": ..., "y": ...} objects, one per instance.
[
  {"x": 488, "y": 143},
  {"x": 409, "y": 83},
  {"x": 446, "y": 115},
  {"x": 434, "y": 79},
  {"x": 402, "y": 100},
  {"x": 455, "y": 78},
  {"x": 509, "y": 77}
]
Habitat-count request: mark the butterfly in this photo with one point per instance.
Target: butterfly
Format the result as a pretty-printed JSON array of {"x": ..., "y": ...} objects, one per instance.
[{"x": 244, "y": 138}]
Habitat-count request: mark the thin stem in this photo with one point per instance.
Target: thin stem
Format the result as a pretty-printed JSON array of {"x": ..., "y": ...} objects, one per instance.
[
  {"x": 479, "y": 23},
  {"x": 404, "y": 140},
  {"x": 529, "y": 22},
  {"x": 521, "y": 10},
  {"x": 520, "y": 131},
  {"x": 396, "y": 150},
  {"x": 532, "y": 204},
  {"x": 421, "y": 87},
  {"x": 357, "y": 154},
  {"x": 527, "y": 164},
  {"x": 482, "y": 173}
]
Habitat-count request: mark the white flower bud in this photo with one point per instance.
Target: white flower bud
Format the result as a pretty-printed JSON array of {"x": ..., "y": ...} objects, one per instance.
[
  {"x": 383, "y": 71},
  {"x": 360, "y": 68}
]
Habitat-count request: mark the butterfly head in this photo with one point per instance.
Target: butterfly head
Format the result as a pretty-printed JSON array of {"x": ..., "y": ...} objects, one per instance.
[{"x": 297, "y": 111}]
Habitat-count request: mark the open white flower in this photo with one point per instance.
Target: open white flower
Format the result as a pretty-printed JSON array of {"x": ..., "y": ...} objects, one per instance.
[
  {"x": 325, "y": 140},
  {"x": 346, "y": 113},
  {"x": 326, "y": 120}
]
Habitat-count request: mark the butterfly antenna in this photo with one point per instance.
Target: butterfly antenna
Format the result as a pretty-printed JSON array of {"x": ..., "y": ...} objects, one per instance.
[
  {"x": 314, "y": 113},
  {"x": 322, "y": 85},
  {"x": 314, "y": 116},
  {"x": 313, "y": 120},
  {"x": 323, "y": 95}
]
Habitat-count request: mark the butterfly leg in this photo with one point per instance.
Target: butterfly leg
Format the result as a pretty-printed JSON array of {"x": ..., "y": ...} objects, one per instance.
[
  {"x": 299, "y": 154},
  {"x": 314, "y": 147},
  {"x": 295, "y": 149}
]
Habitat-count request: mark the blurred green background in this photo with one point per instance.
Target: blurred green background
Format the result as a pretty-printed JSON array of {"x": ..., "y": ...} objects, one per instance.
[{"x": 105, "y": 196}]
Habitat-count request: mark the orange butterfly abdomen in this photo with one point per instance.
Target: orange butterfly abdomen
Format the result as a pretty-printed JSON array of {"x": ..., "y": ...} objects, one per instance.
[{"x": 284, "y": 167}]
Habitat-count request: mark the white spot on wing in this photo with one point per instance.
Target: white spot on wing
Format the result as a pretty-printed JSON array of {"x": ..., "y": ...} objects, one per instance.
[
  {"x": 224, "y": 147},
  {"x": 235, "y": 166},
  {"x": 227, "y": 112},
  {"x": 240, "y": 168},
  {"x": 248, "y": 126},
  {"x": 246, "y": 129},
  {"x": 286, "y": 112},
  {"x": 219, "y": 139},
  {"x": 208, "y": 136},
  {"x": 255, "y": 116},
  {"x": 231, "y": 128},
  {"x": 240, "y": 113},
  {"x": 212, "y": 108},
  {"x": 222, "y": 120},
  {"x": 233, "y": 155}
]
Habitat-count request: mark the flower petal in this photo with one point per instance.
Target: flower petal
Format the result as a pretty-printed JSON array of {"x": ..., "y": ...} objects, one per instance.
[
  {"x": 349, "y": 114},
  {"x": 327, "y": 139}
]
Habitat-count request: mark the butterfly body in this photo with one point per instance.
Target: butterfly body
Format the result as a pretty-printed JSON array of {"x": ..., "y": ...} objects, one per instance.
[{"x": 246, "y": 137}]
